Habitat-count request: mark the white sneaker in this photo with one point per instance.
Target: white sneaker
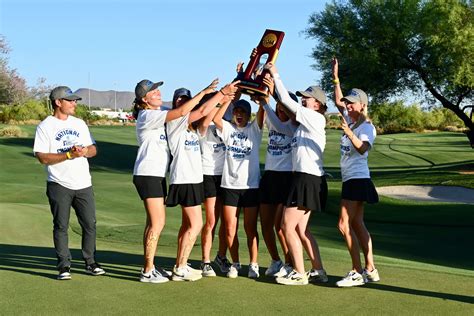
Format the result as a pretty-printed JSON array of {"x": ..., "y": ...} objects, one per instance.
[
  {"x": 186, "y": 274},
  {"x": 153, "y": 276},
  {"x": 371, "y": 276},
  {"x": 207, "y": 270},
  {"x": 274, "y": 268},
  {"x": 253, "y": 271},
  {"x": 234, "y": 270},
  {"x": 317, "y": 276},
  {"x": 284, "y": 271},
  {"x": 293, "y": 278},
  {"x": 64, "y": 273},
  {"x": 352, "y": 278}
]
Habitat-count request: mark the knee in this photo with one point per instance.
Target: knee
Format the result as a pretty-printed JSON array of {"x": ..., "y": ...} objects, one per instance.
[{"x": 343, "y": 227}]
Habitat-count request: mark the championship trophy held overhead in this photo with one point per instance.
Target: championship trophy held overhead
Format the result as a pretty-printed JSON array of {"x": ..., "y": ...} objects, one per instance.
[{"x": 251, "y": 80}]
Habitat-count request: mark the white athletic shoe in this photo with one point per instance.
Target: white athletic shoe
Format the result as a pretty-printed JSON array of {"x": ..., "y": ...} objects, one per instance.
[
  {"x": 207, "y": 270},
  {"x": 371, "y": 276},
  {"x": 253, "y": 271},
  {"x": 317, "y": 276},
  {"x": 186, "y": 274},
  {"x": 352, "y": 278},
  {"x": 293, "y": 278},
  {"x": 234, "y": 270},
  {"x": 153, "y": 276},
  {"x": 274, "y": 268},
  {"x": 284, "y": 271}
]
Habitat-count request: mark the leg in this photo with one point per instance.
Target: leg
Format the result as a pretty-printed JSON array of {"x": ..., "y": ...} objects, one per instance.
[
  {"x": 84, "y": 205},
  {"x": 207, "y": 234},
  {"x": 363, "y": 236},
  {"x": 60, "y": 200},
  {"x": 231, "y": 219},
  {"x": 309, "y": 243},
  {"x": 291, "y": 218},
  {"x": 267, "y": 220},
  {"x": 348, "y": 211},
  {"x": 191, "y": 226},
  {"x": 250, "y": 225},
  {"x": 155, "y": 221},
  {"x": 222, "y": 234},
  {"x": 281, "y": 236}
]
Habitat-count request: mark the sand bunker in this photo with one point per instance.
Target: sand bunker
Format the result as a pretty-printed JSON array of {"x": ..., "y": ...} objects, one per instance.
[{"x": 429, "y": 193}]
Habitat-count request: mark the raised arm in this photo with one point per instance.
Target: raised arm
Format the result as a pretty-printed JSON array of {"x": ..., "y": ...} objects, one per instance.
[
  {"x": 203, "y": 126},
  {"x": 261, "y": 101},
  {"x": 189, "y": 105},
  {"x": 341, "y": 106},
  {"x": 280, "y": 90},
  {"x": 218, "y": 121},
  {"x": 206, "y": 108},
  {"x": 268, "y": 81}
]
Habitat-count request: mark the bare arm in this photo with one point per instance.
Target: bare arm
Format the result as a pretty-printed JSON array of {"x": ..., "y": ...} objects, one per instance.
[
  {"x": 280, "y": 89},
  {"x": 209, "y": 105},
  {"x": 207, "y": 121},
  {"x": 75, "y": 152},
  {"x": 268, "y": 81},
  {"x": 218, "y": 121},
  {"x": 358, "y": 144},
  {"x": 341, "y": 106},
  {"x": 189, "y": 105},
  {"x": 261, "y": 101}
]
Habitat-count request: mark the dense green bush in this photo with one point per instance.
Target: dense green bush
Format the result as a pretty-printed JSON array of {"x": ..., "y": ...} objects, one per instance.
[
  {"x": 29, "y": 110},
  {"x": 82, "y": 112}
]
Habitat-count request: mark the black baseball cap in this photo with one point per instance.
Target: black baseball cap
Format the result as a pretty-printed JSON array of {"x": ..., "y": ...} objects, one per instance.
[
  {"x": 179, "y": 93},
  {"x": 244, "y": 105}
]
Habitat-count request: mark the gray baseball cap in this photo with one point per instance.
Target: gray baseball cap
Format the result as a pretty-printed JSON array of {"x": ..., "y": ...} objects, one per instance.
[
  {"x": 244, "y": 105},
  {"x": 145, "y": 86},
  {"x": 313, "y": 92},
  {"x": 356, "y": 95},
  {"x": 63, "y": 92}
]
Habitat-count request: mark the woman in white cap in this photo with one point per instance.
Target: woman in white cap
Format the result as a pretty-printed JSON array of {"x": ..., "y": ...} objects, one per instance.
[
  {"x": 309, "y": 142},
  {"x": 186, "y": 176},
  {"x": 357, "y": 187},
  {"x": 240, "y": 179},
  {"x": 150, "y": 168}
]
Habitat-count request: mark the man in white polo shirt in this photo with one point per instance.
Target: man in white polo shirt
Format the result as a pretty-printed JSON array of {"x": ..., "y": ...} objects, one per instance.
[{"x": 63, "y": 143}]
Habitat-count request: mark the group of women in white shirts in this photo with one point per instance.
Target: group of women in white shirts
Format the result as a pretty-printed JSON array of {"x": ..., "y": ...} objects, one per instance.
[{"x": 215, "y": 162}]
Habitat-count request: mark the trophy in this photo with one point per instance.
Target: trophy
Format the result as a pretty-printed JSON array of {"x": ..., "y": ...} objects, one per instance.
[{"x": 251, "y": 80}]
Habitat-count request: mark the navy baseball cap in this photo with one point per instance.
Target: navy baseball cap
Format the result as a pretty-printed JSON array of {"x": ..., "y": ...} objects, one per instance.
[
  {"x": 179, "y": 93},
  {"x": 244, "y": 105}
]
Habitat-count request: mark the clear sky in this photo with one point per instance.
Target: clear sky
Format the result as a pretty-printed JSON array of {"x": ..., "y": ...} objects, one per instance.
[{"x": 111, "y": 45}]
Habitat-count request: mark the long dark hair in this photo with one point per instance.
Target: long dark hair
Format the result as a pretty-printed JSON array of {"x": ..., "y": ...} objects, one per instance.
[{"x": 138, "y": 105}]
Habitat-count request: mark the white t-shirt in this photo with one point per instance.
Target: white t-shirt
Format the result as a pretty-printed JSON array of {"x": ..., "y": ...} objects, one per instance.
[
  {"x": 186, "y": 165},
  {"x": 153, "y": 153},
  {"x": 212, "y": 151},
  {"x": 241, "y": 165},
  {"x": 309, "y": 142},
  {"x": 353, "y": 164},
  {"x": 59, "y": 136},
  {"x": 280, "y": 134}
]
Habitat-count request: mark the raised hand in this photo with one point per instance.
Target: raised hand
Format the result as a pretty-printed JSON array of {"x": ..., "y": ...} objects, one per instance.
[
  {"x": 212, "y": 87},
  {"x": 268, "y": 81},
  {"x": 230, "y": 88},
  {"x": 271, "y": 68},
  {"x": 335, "y": 68}
]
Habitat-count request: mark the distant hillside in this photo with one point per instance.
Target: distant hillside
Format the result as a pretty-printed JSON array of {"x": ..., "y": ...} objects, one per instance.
[{"x": 109, "y": 99}]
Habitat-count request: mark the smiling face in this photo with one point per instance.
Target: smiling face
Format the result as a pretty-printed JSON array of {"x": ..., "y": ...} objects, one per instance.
[
  {"x": 153, "y": 98},
  {"x": 354, "y": 109},
  {"x": 280, "y": 113},
  {"x": 240, "y": 117},
  {"x": 311, "y": 103}
]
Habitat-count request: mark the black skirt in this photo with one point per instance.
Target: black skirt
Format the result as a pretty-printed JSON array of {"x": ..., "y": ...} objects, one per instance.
[
  {"x": 359, "y": 190},
  {"x": 189, "y": 194},
  {"x": 304, "y": 192}
]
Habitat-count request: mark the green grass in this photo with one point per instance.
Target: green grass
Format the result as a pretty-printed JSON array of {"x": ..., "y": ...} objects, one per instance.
[{"x": 423, "y": 250}]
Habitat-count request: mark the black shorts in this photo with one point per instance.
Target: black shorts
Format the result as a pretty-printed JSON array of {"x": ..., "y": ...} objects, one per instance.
[
  {"x": 359, "y": 190},
  {"x": 212, "y": 186},
  {"x": 304, "y": 191},
  {"x": 189, "y": 194},
  {"x": 150, "y": 186},
  {"x": 240, "y": 197},
  {"x": 274, "y": 186}
]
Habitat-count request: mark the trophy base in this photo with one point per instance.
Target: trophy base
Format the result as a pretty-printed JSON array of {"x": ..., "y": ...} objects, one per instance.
[{"x": 252, "y": 88}]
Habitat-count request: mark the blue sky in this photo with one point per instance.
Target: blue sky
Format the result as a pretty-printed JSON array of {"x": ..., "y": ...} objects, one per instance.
[{"x": 111, "y": 45}]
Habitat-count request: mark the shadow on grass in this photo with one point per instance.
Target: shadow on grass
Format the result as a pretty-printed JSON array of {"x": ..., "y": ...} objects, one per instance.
[{"x": 30, "y": 259}]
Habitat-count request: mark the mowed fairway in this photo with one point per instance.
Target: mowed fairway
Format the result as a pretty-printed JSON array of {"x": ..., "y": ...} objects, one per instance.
[{"x": 424, "y": 251}]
